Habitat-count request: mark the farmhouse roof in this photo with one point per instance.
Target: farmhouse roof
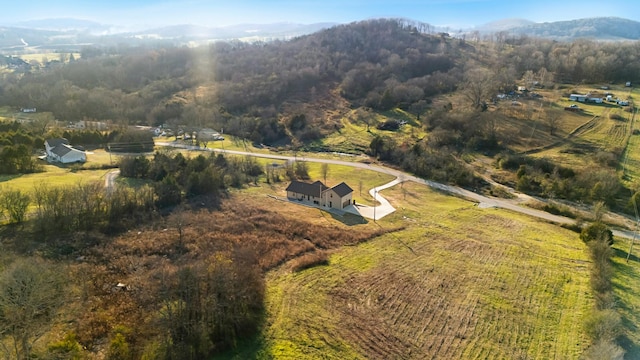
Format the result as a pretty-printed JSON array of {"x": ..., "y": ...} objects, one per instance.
[
  {"x": 58, "y": 141},
  {"x": 61, "y": 150},
  {"x": 304, "y": 188},
  {"x": 342, "y": 189}
]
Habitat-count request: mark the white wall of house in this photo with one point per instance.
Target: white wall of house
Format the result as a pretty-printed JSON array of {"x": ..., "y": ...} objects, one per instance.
[{"x": 74, "y": 156}]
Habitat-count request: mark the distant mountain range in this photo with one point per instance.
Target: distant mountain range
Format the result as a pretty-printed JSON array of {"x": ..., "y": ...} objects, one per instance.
[
  {"x": 71, "y": 34},
  {"x": 602, "y": 28}
]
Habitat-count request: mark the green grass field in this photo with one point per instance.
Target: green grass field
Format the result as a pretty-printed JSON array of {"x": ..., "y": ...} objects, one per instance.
[
  {"x": 625, "y": 287},
  {"x": 457, "y": 282},
  {"x": 354, "y": 137},
  {"x": 52, "y": 176}
]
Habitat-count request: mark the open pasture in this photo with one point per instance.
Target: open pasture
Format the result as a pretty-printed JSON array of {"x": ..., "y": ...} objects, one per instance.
[{"x": 457, "y": 282}]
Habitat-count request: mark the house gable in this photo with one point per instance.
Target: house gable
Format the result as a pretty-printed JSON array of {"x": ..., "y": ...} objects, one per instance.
[
  {"x": 342, "y": 189},
  {"x": 51, "y": 143}
]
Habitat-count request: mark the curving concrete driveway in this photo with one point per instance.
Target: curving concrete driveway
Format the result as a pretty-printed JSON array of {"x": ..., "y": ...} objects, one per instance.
[{"x": 375, "y": 212}]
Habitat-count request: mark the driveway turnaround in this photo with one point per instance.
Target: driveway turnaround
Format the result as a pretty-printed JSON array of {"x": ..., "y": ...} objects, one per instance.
[{"x": 375, "y": 212}]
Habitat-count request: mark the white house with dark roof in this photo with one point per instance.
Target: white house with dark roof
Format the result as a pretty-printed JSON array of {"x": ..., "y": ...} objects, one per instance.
[
  {"x": 59, "y": 150},
  {"x": 317, "y": 193}
]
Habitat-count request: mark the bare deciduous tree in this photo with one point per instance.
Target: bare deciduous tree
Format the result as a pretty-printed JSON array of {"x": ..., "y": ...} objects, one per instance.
[
  {"x": 478, "y": 86},
  {"x": 15, "y": 203},
  {"x": 30, "y": 294},
  {"x": 324, "y": 169},
  {"x": 553, "y": 120}
]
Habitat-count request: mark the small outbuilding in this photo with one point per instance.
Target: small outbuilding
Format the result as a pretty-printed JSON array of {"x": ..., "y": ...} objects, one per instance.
[{"x": 578, "y": 97}]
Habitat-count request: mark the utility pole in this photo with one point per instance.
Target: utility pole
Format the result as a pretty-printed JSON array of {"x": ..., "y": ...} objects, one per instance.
[
  {"x": 635, "y": 207},
  {"x": 375, "y": 200}
]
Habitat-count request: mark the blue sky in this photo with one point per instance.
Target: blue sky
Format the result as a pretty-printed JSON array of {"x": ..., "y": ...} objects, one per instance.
[{"x": 453, "y": 13}]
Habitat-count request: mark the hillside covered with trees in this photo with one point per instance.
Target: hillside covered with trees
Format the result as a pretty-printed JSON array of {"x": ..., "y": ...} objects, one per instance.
[
  {"x": 250, "y": 89},
  {"x": 164, "y": 267}
]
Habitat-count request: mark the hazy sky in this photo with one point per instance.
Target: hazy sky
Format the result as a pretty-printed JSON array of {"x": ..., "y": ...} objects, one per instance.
[{"x": 452, "y": 13}]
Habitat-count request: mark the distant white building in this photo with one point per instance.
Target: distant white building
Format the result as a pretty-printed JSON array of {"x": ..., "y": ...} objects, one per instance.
[
  {"x": 59, "y": 151},
  {"x": 578, "y": 97}
]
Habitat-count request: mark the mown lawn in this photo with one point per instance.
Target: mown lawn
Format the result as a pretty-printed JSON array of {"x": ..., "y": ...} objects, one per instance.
[
  {"x": 457, "y": 282},
  {"x": 627, "y": 291},
  {"x": 52, "y": 176},
  {"x": 357, "y": 179}
]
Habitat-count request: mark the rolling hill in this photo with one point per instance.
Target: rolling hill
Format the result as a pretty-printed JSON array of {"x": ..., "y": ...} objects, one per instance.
[
  {"x": 601, "y": 28},
  {"x": 70, "y": 34}
]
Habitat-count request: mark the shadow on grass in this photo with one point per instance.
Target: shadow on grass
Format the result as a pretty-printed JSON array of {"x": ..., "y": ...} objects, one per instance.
[
  {"x": 249, "y": 348},
  {"x": 349, "y": 219},
  {"x": 630, "y": 316},
  {"x": 632, "y": 350},
  {"x": 4, "y": 178},
  {"x": 623, "y": 255}
]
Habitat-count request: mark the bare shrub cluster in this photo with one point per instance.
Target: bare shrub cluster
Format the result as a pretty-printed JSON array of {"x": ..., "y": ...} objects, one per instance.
[
  {"x": 310, "y": 260},
  {"x": 192, "y": 285}
]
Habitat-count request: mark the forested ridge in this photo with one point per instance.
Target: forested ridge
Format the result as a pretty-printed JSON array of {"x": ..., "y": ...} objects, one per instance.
[
  {"x": 175, "y": 267},
  {"x": 244, "y": 88}
]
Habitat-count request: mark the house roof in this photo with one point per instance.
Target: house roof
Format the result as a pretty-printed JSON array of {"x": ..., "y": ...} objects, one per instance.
[
  {"x": 55, "y": 142},
  {"x": 342, "y": 189},
  {"x": 304, "y": 188},
  {"x": 61, "y": 150}
]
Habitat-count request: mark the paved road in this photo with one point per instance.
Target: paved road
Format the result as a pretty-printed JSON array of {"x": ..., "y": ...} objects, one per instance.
[
  {"x": 110, "y": 180},
  {"x": 483, "y": 201}
]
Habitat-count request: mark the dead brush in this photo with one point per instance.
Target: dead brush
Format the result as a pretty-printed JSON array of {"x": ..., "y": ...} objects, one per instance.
[{"x": 310, "y": 260}]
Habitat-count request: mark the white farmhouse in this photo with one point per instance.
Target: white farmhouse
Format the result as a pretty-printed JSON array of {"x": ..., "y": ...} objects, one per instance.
[{"x": 59, "y": 150}]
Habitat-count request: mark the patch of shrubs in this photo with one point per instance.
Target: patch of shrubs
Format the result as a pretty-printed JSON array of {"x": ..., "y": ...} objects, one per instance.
[
  {"x": 309, "y": 260},
  {"x": 542, "y": 177},
  {"x": 558, "y": 210}
]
